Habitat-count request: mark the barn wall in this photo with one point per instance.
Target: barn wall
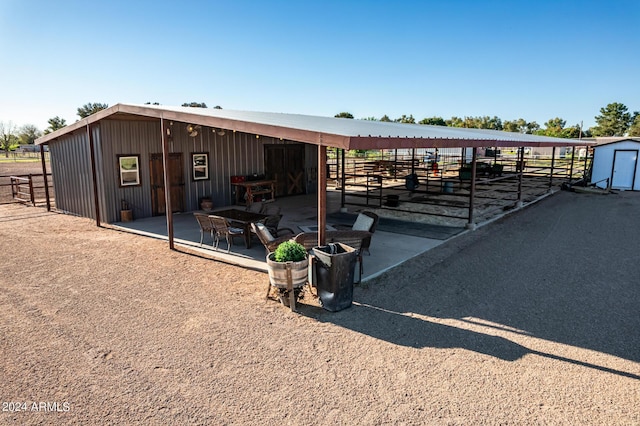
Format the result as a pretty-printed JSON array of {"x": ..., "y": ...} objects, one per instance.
[
  {"x": 235, "y": 153},
  {"x": 603, "y": 162},
  {"x": 70, "y": 159}
]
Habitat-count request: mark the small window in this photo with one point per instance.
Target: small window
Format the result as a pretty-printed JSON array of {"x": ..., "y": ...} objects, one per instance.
[
  {"x": 200, "y": 163},
  {"x": 129, "y": 170}
]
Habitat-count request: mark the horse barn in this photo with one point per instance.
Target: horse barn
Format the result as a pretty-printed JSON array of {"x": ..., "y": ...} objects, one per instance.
[{"x": 123, "y": 158}]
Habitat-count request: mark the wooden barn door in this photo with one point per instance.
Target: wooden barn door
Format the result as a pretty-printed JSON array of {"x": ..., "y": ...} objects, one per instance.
[
  {"x": 176, "y": 183},
  {"x": 285, "y": 164}
]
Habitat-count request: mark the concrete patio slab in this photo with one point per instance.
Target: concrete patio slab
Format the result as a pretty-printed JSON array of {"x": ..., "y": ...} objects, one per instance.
[{"x": 387, "y": 249}]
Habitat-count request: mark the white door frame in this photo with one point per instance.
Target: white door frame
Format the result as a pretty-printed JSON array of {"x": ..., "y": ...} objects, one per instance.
[{"x": 635, "y": 167}]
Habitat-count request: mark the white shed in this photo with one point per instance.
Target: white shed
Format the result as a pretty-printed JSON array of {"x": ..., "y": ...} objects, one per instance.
[{"x": 615, "y": 164}]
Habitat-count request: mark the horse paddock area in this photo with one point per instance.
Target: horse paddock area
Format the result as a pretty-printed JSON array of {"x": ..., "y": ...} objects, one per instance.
[{"x": 530, "y": 319}]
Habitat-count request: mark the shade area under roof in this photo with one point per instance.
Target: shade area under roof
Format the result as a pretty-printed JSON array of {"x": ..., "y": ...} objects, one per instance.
[{"x": 328, "y": 131}]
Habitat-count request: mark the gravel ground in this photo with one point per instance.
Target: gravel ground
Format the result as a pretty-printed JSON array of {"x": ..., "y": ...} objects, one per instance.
[{"x": 533, "y": 319}]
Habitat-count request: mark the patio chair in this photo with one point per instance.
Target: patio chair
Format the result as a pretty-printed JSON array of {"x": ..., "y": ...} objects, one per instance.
[
  {"x": 354, "y": 239},
  {"x": 269, "y": 242},
  {"x": 270, "y": 209},
  {"x": 255, "y": 207},
  {"x": 205, "y": 226},
  {"x": 366, "y": 221},
  {"x": 272, "y": 222},
  {"x": 222, "y": 229}
]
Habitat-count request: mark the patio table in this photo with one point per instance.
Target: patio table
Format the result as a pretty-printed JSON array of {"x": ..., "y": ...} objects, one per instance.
[{"x": 242, "y": 218}]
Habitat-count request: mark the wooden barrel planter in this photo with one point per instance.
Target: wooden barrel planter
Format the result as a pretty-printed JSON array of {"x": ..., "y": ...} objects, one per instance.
[{"x": 288, "y": 277}]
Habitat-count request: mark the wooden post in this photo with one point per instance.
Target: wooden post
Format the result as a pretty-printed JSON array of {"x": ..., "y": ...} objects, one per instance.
[
  {"x": 472, "y": 190},
  {"x": 46, "y": 180},
  {"x": 94, "y": 175},
  {"x": 292, "y": 293},
  {"x": 167, "y": 182},
  {"x": 31, "y": 196},
  {"x": 322, "y": 194}
]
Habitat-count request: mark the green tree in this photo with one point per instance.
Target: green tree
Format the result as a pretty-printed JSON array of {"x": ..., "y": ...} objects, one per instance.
[
  {"x": 385, "y": 118},
  {"x": 634, "y": 129},
  {"x": 433, "y": 121},
  {"x": 370, "y": 119},
  {"x": 91, "y": 108},
  {"x": 152, "y": 103},
  {"x": 344, "y": 115},
  {"x": 55, "y": 123},
  {"x": 572, "y": 132},
  {"x": 8, "y": 137},
  {"x": 194, "y": 104},
  {"x": 28, "y": 134},
  {"x": 520, "y": 126},
  {"x": 553, "y": 127},
  {"x": 614, "y": 120},
  {"x": 485, "y": 122},
  {"x": 455, "y": 122},
  {"x": 406, "y": 119}
]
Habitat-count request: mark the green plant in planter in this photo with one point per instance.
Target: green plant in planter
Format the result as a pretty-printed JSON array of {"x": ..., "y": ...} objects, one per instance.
[{"x": 290, "y": 251}]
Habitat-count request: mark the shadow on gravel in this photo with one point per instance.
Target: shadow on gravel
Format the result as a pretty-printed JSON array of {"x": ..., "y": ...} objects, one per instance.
[{"x": 564, "y": 270}]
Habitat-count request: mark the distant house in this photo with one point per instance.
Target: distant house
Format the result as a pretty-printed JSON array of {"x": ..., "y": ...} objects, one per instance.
[
  {"x": 30, "y": 148},
  {"x": 615, "y": 163}
]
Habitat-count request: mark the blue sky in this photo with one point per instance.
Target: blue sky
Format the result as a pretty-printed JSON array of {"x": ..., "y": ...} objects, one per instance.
[{"x": 536, "y": 60}]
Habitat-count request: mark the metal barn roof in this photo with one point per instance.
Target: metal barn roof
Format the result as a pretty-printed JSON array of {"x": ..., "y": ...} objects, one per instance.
[{"x": 328, "y": 131}]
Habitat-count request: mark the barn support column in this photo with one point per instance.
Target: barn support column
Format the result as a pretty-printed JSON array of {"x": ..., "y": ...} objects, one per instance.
[
  {"x": 472, "y": 190},
  {"x": 44, "y": 176},
  {"x": 520, "y": 174},
  {"x": 342, "y": 182},
  {"x": 553, "y": 162},
  {"x": 322, "y": 194},
  {"x": 94, "y": 175},
  {"x": 166, "y": 133}
]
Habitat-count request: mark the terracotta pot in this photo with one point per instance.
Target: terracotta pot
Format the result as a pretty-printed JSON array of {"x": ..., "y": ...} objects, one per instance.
[{"x": 206, "y": 204}]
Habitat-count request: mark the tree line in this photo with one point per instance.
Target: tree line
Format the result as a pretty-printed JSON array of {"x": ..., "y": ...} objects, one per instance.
[{"x": 613, "y": 120}]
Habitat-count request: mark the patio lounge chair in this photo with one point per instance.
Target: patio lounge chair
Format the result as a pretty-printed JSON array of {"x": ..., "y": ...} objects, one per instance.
[
  {"x": 366, "y": 221},
  {"x": 205, "y": 226},
  {"x": 222, "y": 229},
  {"x": 270, "y": 242},
  {"x": 354, "y": 239},
  {"x": 272, "y": 222}
]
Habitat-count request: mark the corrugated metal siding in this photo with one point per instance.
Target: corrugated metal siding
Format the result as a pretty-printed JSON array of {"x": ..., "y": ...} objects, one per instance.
[
  {"x": 123, "y": 138},
  {"x": 71, "y": 169},
  {"x": 235, "y": 153}
]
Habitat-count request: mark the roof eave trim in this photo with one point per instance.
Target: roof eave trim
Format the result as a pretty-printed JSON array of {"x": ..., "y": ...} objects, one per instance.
[{"x": 372, "y": 142}]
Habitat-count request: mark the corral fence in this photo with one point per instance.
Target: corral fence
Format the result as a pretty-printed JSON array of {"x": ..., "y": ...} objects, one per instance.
[
  {"x": 438, "y": 183},
  {"x": 25, "y": 188}
]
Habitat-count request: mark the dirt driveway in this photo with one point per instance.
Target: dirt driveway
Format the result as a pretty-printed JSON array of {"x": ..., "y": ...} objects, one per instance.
[{"x": 533, "y": 319}]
